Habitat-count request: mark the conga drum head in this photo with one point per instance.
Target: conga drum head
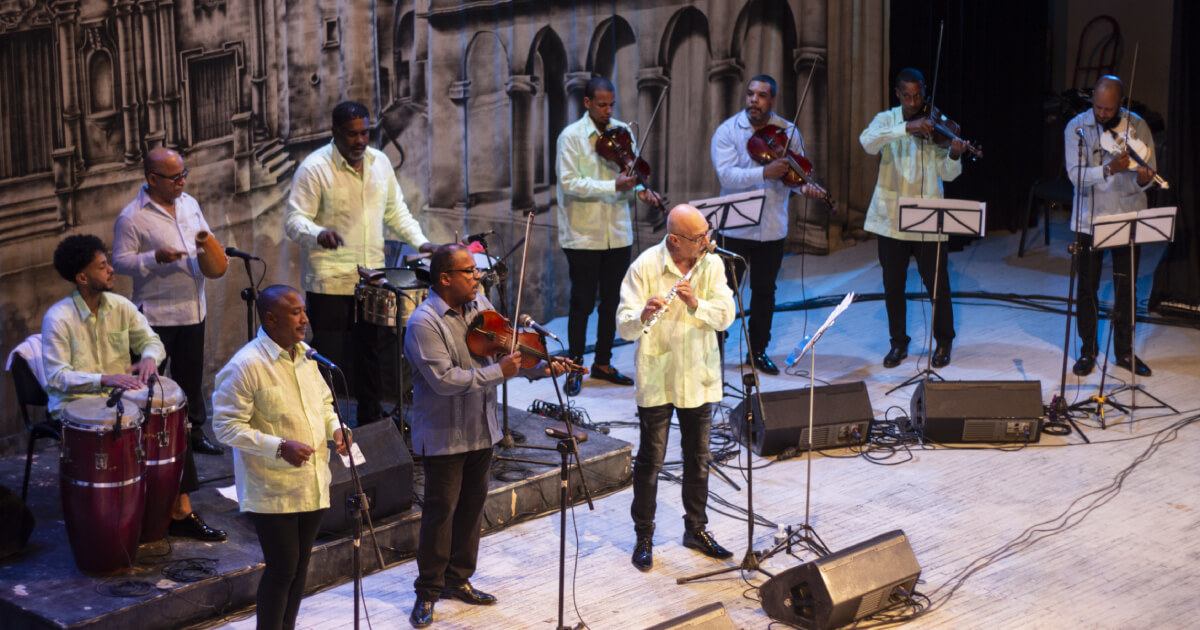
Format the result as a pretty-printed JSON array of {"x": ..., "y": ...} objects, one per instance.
[
  {"x": 92, "y": 413},
  {"x": 168, "y": 396}
]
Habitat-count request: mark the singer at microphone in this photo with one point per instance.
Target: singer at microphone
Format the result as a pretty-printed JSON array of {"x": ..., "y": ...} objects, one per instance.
[{"x": 312, "y": 355}]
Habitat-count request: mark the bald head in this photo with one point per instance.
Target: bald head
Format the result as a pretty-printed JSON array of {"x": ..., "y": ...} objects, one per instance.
[
  {"x": 686, "y": 220},
  {"x": 1106, "y": 100},
  {"x": 162, "y": 159},
  {"x": 281, "y": 309},
  {"x": 1109, "y": 83},
  {"x": 271, "y": 297},
  {"x": 165, "y": 176}
]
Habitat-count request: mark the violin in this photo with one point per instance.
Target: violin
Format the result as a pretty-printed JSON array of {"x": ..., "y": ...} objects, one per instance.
[
  {"x": 615, "y": 145},
  {"x": 1119, "y": 139},
  {"x": 945, "y": 130},
  {"x": 490, "y": 334},
  {"x": 770, "y": 143}
]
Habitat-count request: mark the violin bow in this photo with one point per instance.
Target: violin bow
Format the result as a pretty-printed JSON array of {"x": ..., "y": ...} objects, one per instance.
[
  {"x": 800, "y": 106},
  {"x": 650, "y": 125},
  {"x": 1129, "y": 94},
  {"x": 937, "y": 63},
  {"x": 512, "y": 346}
]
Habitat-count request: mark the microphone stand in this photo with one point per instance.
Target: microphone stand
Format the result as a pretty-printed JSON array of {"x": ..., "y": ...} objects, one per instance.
[
  {"x": 250, "y": 297},
  {"x": 357, "y": 503}
]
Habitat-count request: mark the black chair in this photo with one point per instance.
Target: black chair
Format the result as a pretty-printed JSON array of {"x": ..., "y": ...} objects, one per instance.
[
  {"x": 1049, "y": 192},
  {"x": 31, "y": 394}
]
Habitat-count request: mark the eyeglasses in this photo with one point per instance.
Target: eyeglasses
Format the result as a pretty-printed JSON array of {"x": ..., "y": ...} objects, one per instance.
[
  {"x": 471, "y": 271},
  {"x": 697, "y": 239},
  {"x": 176, "y": 179}
]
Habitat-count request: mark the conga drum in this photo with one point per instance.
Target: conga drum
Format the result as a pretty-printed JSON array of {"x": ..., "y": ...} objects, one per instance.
[
  {"x": 102, "y": 483},
  {"x": 164, "y": 440}
]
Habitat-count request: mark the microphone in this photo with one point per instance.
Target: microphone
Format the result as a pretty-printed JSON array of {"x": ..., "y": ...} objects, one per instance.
[
  {"x": 528, "y": 322},
  {"x": 724, "y": 253},
  {"x": 478, "y": 237},
  {"x": 115, "y": 397},
  {"x": 237, "y": 253},
  {"x": 311, "y": 355},
  {"x": 1079, "y": 130}
]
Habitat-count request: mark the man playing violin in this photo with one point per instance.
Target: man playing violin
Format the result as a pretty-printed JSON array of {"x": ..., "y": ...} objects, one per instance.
[
  {"x": 911, "y": 165},
  {"x": 594, "y": 229},
  {"x": 1109, "y": 184},
  {"x": 678, "y": 370},
  {"x": 761, "y": 245},
  {"x": 454, "y": 428}
]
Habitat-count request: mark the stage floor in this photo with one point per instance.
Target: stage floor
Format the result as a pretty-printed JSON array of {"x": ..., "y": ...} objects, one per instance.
[
  {"x": 1059, "y": 534},
  {"x": 41, "y": 587}
]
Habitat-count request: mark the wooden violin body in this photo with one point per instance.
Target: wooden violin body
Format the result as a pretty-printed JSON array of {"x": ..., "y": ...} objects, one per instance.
[
  {"x": 490, "y": 334},
  {"x": 615, "y": 145},
  {"x": 770, "y": 143},
  {"x": 946, "y": 131}
]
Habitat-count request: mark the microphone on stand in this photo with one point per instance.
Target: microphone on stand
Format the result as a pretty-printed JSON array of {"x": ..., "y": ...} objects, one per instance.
[
  {"x": 527, "y": 321},
  {"x": 237, "y": 253},
  {"x": 724, "y": 253},
  {"x": 478, "y": 237},
  {"x": 115, "y": 397},
  {"x": 312, "y": 355}
]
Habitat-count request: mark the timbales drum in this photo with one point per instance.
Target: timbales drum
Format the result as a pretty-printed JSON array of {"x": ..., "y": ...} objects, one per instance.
[
  {"x": 164, "y": 440},
  {"x": 381, "y": 307},
  {"x": 102, "y": 483}
]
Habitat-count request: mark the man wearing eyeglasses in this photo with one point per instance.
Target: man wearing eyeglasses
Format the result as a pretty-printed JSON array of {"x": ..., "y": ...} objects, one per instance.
[
  {"x": 154, "y": 242},
  {"x": 454, "y": 428},
  {"x": 344, "y": 195},
  {"x": 678, "y": 370}
]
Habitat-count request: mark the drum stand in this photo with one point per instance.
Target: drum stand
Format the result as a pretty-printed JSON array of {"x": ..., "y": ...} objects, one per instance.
[{"x": 358, "y": 504}]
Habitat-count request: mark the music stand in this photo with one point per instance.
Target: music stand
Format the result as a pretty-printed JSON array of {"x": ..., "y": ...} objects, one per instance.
[
  {"x": 728, "y": 212},
  {"x": 938, "y": 216},
  {"x": 1152, "y": 225}
]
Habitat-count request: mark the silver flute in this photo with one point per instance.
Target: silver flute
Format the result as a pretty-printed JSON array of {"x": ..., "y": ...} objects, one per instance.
[{"x": 674, "y": 292}]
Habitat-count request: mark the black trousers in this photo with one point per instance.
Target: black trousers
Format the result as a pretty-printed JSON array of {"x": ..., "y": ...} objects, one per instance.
[
  {"x": 287, "y": 542},
  {"x": 765, "y": 258},
  {"x": 695, "y": 425},
  {"x": 595, "y": 271},
  {"x": 456, "y": 487},
  {"x": 894, "y": 255},
  {"x": 354, "y": 346},
  {"x": 1091, "y": 263},
  {"x": 185, "y": 357}
]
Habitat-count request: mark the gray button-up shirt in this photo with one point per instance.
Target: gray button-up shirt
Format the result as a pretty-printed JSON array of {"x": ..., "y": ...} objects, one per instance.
[{"x": 454, "y": 391}]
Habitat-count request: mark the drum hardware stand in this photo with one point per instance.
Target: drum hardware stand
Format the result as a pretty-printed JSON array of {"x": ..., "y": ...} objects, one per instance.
[
  {"x": 250, "y": 297},
  {"x": 358, "y": 503}
]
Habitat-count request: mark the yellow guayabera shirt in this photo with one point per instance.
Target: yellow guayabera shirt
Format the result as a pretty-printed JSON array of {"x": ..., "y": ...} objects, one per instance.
[
  {"x": 677, "y": 361},
  {"x": 327, "y": 193},
  {"x": 908, "y": 167},
  {"x": 78, "y": 346},
  {"x": 592, "y": 214},
  {"x": 261, "y": 398}
]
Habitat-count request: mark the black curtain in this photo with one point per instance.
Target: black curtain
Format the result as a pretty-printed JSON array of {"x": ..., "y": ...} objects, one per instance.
[
  {"x": 1177, "y": 278},
  {"x": 992, "y": 79}
]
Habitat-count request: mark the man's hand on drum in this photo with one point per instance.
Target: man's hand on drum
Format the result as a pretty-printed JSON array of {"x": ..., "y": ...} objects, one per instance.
[
  {"x": 297, "y": 453},
  {"x": 342, "y": 441},
  {"x": 144, "y": 370},
  {"x": 126, "y": 381}
]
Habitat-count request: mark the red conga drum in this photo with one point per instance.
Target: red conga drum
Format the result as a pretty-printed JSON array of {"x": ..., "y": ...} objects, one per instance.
[
  {"x": 102, "y": 482},
  {"x": 164, "y": 440}
]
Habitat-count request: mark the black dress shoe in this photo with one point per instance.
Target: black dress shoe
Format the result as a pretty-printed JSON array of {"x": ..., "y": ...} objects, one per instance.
[
  {"x": 192, "y": 526},
  {"x": 643, "y": 553},
  {"x": 574, "y": 383},
  {"x": 611, "y": 375},
  {"x": 895, "y": 356},
  {"x": 1084, "y": 365},
  {"x": 703, "y": 542},
  {"x": 1142, "y": 368},
  {"x": 762, "y": 363},
  {"x": 941, "y": 356},
  {"x": 202, "y": 446},
  {"x": 466, "y": 593},
  {"x": 422, "y": 614}
]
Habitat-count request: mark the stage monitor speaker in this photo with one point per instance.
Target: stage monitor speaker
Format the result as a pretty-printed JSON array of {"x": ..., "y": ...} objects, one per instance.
[
  {"x": 387, "y": 477},
  {"x": 710, "y": 617},
  {"x": 843, "y": 417},
  {"x": 845, "y": 586},
  {"x": 978, "y": 411}
]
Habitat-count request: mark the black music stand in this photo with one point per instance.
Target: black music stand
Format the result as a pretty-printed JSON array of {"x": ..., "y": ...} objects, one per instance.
[
  {"x": 728, "y": 212},
  {"x": 938, "y": 216},
  {"x": 1152, "y": 225}
]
